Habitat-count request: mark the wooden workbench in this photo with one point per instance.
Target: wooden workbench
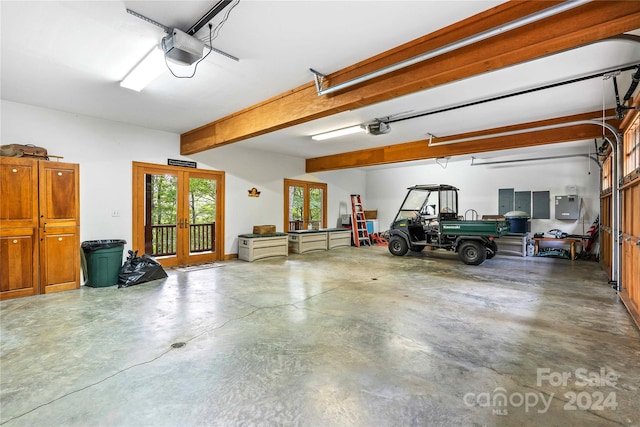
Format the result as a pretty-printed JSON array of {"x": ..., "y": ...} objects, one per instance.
[{"x": 570, "y": 241}]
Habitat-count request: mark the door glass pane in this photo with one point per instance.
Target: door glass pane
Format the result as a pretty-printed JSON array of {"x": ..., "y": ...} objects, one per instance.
[
  {"x": 315, "y": 207},
  {"x": 202, "y": 215},
  {"x": 296, "y": 207},
  {"x": 161, "y": 211},
  {"x": 449, "y": 202}
]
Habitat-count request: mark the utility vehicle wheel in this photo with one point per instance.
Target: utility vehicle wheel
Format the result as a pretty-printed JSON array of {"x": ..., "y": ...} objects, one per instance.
[
  {"x": 492, "y": 249},
  {"x": 415, "y": 248},
  {"x": 472, "y": 253},
  {"x": 398, "y": 246}
]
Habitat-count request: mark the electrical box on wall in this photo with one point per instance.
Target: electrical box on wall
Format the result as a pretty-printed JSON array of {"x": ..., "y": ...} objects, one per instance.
[{"x": 567, "y": 207}]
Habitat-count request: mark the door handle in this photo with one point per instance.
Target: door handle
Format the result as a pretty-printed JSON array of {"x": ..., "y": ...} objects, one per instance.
[{"x": 181, "y": 223}]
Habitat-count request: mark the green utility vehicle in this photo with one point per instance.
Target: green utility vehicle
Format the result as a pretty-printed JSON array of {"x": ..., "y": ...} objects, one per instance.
[{"x": 429, "y": 217}]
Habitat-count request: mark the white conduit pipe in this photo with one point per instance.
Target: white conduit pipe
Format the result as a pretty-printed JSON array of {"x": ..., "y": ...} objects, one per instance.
[
  {"x": 533, "y": 159},
  {"x": 617, "y": 166},
  {"x": 511, "y": 132},
  {"x": 552, "y": 11}
]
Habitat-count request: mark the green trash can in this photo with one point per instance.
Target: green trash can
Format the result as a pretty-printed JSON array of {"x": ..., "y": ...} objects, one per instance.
[{"x": 102, "y": 260}]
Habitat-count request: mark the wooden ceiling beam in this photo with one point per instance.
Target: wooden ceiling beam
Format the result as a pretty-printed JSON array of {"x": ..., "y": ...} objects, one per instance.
[
  {"x": 420, "y": 150},
  {"x": 580, "y": 26}
]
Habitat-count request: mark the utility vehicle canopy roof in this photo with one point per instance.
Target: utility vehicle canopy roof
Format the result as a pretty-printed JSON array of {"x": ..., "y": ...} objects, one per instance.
[{"x": 433, "y": 187}]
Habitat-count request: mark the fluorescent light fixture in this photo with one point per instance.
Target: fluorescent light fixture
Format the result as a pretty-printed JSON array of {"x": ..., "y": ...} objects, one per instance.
[
  {"x": 339, "y": 132},
  {"x": 146, "y": 71}
]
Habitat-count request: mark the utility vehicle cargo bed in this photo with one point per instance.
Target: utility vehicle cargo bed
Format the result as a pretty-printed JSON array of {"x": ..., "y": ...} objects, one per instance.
[{"x": 495, "y": 228}]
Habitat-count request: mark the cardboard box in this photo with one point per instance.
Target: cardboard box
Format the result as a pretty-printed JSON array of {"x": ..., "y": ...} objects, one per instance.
[
  {"x": 264, "y": 229},
  {"x": 371, "y": 214}
]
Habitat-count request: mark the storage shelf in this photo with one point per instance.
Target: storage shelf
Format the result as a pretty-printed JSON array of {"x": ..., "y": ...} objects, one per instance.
[{"x": 515, "y": 243}]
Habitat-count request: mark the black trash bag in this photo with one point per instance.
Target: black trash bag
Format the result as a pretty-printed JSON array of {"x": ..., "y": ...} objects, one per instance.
[
  {"x": 136, "y": 270},
  {"x": 94, "y": 245}
]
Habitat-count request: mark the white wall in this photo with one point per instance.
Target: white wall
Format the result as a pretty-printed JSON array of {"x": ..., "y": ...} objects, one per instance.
[
  {"x": 106, "y": 149},
  {"x": 103, "y": 149},
  {"x": 479, "y": 185},
  {"x": 342, "y": 184},
  {"x": 246, "y": 169}
]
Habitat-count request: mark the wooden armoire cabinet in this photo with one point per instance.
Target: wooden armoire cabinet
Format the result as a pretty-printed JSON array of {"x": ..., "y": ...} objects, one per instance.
[{"x": 39, "y": 227}]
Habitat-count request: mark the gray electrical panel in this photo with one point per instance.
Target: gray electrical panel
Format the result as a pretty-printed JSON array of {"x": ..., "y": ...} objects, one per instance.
[
  {"x": 505, "y": 200},
  {"x": 567, "y": 207},
  {"x": 523, "y": 201},
  {"x": 541, "y": 203}
]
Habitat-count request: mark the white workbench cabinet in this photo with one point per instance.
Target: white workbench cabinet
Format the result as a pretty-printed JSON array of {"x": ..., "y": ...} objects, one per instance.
[
  {"x": 338, "y": 237},
  {"x": 301, "y": 241},
  {"x": 252, "y": 247}
]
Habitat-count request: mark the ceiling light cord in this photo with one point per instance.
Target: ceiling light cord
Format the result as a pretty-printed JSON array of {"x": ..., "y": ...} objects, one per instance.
[
  {"x": 588, "y": 162},
  {"x": 603, "y": 106},
  {"x": 216, "y": 30}
]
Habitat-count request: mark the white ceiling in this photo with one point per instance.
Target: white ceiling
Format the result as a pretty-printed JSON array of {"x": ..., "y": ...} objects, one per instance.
[{"x": 71, "y": 56}]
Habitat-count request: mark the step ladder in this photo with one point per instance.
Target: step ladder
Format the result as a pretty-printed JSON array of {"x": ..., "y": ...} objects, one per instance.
[{"x": 358, "y": 222}]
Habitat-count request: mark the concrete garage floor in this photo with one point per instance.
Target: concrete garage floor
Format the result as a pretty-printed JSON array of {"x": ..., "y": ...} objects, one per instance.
[{"x": 338, "y": 338}]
